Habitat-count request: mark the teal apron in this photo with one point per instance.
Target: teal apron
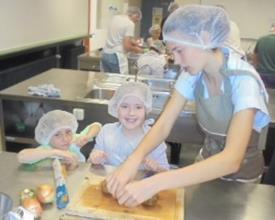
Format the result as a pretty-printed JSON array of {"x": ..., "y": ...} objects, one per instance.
[{"x": 214, "y": 115}]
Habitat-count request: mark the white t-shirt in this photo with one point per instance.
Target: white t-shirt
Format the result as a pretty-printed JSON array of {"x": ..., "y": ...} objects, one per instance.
[
  {"x": 120, "y": 27},
  {"x": 118, "y": 147}
]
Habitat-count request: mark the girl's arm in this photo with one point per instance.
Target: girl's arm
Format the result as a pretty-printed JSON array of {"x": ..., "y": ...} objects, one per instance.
[
  {"x": 157, "y": 160},
  {"x": 226, "y": 162},
  {"x": 153, "y": 138},
  {"x": 35, "y": 154},
  {"x": 87, "y": 134},
  {"x": 94, "y": 129},
  {"x": 30, "y": 156}
]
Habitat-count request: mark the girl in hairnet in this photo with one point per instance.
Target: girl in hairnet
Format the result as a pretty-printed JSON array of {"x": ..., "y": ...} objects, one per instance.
[
  {"x": 117, "y": 141},
  {"x": 55, "y": 132},
  {"x": 230, "y": 108}
]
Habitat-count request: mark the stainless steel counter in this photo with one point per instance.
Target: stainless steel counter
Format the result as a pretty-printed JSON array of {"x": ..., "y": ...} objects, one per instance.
[{"x": 214, "y": 200}]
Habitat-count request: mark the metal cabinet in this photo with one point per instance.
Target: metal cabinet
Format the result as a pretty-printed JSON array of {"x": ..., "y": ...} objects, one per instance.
[{"x": 89, "y": 61}]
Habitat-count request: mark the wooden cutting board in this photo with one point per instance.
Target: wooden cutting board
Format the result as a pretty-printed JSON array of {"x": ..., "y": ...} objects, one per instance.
[{"x": 89, "y": 201}]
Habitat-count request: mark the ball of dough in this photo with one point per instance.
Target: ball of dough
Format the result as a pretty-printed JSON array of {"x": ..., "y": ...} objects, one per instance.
[
  {"x": 104, "y": 188},
  {"x": 151, "y": 202}
]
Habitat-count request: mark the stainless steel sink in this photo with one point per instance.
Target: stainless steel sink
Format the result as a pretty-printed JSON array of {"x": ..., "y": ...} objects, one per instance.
[
  {"x": 112, "y": 81},
  {"x": 171, "y": 71},
  {"x": 101, "y": 93},
  {"x": 105, "y": 88},
  {"x": 160, "y": 99}
]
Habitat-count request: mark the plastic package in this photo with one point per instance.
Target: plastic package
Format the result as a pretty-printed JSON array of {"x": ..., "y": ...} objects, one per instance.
[{"x": 62, "y": 195}]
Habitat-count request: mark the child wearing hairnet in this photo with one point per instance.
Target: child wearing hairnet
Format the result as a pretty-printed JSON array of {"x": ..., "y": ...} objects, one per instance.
[
  {"x": 231, "y": 109},
  {"x": 153, "y": 40},
  {"x": 116, "y": 141},
  {"x": 56, "y": 134},
  {"x": 151, "y": 63}
]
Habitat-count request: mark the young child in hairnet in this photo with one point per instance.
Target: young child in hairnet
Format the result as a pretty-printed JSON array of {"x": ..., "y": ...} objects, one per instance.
[
  {"x": 152, "y": 63},
  {"x": 116, "y": 141},
  {"x": 56, "y": 134},
  {"x": 154, "y": 40}
]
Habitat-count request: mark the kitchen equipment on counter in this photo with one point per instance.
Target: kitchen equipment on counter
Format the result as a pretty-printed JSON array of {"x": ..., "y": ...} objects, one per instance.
[{"x": 89, "y": 201}]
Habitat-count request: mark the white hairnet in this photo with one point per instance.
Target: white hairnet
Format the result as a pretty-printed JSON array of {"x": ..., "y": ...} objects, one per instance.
[
  {"x": 133, "y": 10},
  {"x": 199, "y": 26},
  {"x": 151, "y": 63},
  {"x": 52, "y": 122},
  {"x": 137, "y": 89}
]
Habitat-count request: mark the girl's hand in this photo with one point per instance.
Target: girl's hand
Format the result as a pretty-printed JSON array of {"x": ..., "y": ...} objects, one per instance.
[
  {"x": 137, "y": 192},
  {"x": 121, "y": 176},
  {"x": 81, "y": 141},
  {"x": 68, "y": 158},
  {"x": 97, "y": 157},
  {"x": 153, "y": 165}
]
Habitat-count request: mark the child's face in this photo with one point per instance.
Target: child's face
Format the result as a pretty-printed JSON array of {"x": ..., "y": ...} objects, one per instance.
[
  {"x": 131, "y": 113},
  {"x": 193, "y": 60},
  {"x": 62, "y": 139}
]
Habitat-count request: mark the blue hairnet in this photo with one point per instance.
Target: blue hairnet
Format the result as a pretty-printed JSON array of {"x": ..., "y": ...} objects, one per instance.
[
  {"x": 199, "y": 26},
  {"x": 137, "y": 89},
  {"x": 50, "y": 123}
]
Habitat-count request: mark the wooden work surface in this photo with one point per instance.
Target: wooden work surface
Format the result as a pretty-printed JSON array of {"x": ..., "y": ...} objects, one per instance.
[{"x": 89, "y": 201}]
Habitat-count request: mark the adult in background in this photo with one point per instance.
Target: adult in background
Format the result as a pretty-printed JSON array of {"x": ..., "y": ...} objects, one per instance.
[
  {"x": 264, "y": 57},
  {"x": 120, "y": 40}
]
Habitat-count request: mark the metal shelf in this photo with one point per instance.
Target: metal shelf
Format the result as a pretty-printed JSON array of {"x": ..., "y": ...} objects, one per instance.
[{"x": 21, "y": 140}]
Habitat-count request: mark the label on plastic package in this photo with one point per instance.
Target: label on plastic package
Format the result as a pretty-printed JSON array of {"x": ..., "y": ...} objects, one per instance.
[{"x": 62, "y": 195}]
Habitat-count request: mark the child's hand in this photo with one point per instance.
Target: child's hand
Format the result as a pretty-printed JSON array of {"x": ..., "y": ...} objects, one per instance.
[
  {"x": 68, "y": 158},
  {"x": 153, "y": 165},
  {"x": 81, "y": 141},
  {"x": 97, "y": 157}
]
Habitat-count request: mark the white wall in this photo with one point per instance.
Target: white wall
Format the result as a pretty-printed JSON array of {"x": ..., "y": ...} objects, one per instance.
[
  {"x": 101, "y": 15},
  {"x": 252, "y": 16},
  {"x": 31, "y": 23},
  {"x": 184, "y": 2}
]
